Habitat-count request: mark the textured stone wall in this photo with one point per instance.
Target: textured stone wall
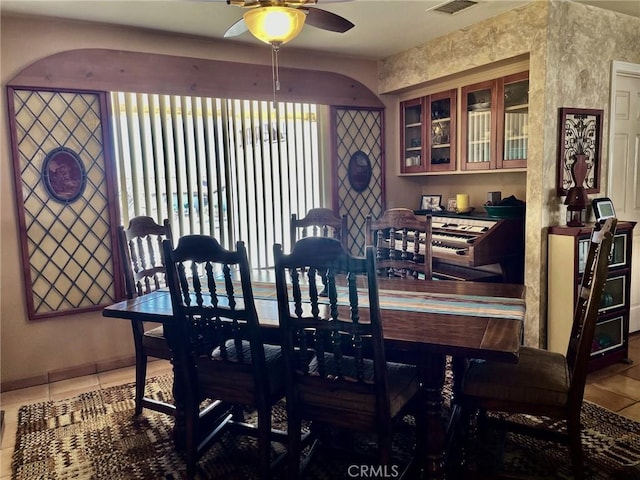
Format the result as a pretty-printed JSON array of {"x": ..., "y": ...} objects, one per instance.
[{"x": 570, "y": 47}]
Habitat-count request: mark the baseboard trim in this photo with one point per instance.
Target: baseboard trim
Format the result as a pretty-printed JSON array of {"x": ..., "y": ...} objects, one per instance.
[{"x": 67, "y": 373}]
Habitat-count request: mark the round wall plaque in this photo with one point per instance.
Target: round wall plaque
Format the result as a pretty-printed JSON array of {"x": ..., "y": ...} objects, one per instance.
[
  {"x": 64, "y": 175},
  {"x": 359, "y": 171}
]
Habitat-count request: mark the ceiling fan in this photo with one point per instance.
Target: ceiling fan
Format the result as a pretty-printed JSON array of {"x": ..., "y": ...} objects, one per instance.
[{"x": 278, "y": 21}]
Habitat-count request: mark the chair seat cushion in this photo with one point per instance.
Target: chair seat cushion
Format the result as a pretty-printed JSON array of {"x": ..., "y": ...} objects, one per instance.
[
  {"x": 155, "y": 343},
  {"x": 402, "y": 383},
  {"x": 273, "y": 359},
  {"x": 539, "y": 378},
  {"x": 157, "y": 332}
]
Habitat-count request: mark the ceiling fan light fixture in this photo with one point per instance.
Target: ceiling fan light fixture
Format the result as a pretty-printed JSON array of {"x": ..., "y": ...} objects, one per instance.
[{"x": 275, "y": 25}]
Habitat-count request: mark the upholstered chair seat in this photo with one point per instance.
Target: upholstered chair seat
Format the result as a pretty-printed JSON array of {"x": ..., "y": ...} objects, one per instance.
[{"x": 539, "y": 378}]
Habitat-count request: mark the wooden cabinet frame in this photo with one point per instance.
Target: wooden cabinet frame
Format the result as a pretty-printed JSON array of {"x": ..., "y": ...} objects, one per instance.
[{"x": 425, "y": 104}]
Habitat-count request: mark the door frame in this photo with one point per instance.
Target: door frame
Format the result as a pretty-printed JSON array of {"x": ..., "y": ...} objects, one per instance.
[{"x": 617, "y": 68}]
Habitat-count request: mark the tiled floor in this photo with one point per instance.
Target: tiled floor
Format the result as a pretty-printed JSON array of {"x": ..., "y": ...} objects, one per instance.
[
  {"x": 12, "y": 400},
  {"x": 616, "y": 387}
]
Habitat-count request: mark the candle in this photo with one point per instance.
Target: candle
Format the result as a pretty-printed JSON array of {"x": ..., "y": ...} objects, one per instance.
[{"x": 462, "y": 201}]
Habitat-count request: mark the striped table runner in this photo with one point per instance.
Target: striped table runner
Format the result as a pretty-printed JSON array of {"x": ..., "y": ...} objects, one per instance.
[{"x": 469, "y": 305}]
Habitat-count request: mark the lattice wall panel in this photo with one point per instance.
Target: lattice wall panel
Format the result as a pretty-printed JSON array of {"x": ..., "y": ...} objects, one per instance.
[
  {"x": 359, "y": 130},
  {"x": 61, "y": 176}
]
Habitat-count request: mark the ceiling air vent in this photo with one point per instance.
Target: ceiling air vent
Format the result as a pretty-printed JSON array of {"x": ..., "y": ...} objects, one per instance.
[{"x": 454, "y": 6}]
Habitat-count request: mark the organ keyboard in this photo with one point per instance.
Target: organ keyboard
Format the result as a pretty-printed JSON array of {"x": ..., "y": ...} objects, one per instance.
[{"x": 465, "y": 243}]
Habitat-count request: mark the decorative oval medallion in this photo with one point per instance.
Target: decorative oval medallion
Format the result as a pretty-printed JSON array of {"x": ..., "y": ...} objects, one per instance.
[
  {"x": 64, "y": 175},
  {"x": 359, "y": 171}
]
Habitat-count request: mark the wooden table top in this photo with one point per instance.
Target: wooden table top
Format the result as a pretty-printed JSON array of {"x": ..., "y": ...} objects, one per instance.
[{"x": 461, "y": 335}]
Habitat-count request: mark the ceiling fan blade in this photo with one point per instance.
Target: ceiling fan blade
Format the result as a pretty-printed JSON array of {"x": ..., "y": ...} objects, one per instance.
[
  {"x": 327, "y": 21},
  {"x": 236, "y": 29}
]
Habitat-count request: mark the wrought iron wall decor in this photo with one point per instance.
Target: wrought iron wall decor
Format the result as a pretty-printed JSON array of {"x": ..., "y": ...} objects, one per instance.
[
  {"x": 64, "y": 181},
  {"x": 580, "y": 141}
]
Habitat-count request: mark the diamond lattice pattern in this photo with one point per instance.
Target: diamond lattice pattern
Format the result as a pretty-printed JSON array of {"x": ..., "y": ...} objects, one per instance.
[
  {"x": 359, "y": 130},
  {"x": 68, "y": 244}
]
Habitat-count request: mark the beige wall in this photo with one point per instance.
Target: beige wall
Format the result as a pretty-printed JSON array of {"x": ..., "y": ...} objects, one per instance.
[
  {"x": 570, "y": 48},
  {"x": 37, "y": 351}
]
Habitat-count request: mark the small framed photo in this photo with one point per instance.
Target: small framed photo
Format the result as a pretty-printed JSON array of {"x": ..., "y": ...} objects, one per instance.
[
  {"x": 452, "y": 205},
  {"x": 430, "y": 202}
]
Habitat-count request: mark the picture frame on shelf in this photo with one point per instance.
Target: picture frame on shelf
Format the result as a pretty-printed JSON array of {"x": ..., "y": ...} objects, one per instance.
[
  {"x": 579, "y": 149},
  {"x": 430, "y": 202},
  {"x": 452, "y": 205}
]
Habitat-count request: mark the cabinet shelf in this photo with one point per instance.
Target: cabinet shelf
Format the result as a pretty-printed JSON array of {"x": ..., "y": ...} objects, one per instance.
[
  {"x": 516, "y": 108},
  {"x": 413, "y": 125},
  {"x": 441, "y": 145}
]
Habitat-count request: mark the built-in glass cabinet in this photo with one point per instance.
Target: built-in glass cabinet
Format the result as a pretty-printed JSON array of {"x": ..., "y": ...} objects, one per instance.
[
  {"x": 428, "y": 133},
  {"x": 514, "y": 128},
  {"x": 495, "y": 123}
]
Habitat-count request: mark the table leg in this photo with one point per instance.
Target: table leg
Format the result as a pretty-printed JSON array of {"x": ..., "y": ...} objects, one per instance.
[{"x": 172, "y": 334}]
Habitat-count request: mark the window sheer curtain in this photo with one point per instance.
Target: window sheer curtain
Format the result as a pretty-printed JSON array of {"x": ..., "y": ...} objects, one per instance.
[{"x": 233, "y": 169}]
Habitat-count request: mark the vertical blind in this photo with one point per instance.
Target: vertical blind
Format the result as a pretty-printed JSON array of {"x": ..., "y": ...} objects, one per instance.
[{"x": 234, "y": 169}]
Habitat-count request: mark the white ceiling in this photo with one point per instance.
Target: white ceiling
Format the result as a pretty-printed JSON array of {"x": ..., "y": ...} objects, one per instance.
[{"x": 382, "y": 27}]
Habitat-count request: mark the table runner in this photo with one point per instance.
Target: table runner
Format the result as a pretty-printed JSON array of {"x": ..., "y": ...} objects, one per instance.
[{"x": 449, "y": 304}]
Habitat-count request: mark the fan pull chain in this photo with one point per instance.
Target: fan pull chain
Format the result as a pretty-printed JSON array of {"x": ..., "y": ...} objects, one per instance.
[{"x": 275, "y": 68}]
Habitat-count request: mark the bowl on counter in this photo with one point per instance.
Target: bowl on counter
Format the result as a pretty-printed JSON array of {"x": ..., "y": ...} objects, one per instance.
[{"x": 505, "y": 211}]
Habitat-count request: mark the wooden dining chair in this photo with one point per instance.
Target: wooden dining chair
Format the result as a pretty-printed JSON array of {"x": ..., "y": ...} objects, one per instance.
[
  {"x": 319, "y": 222},
  {"x": 334, "y": 352},
  {"x": 398, "y": 253},
  {"x": 142, "y": 260},
  {"x": 545, "y": 383},
  {"x": 218, "y": 347}
]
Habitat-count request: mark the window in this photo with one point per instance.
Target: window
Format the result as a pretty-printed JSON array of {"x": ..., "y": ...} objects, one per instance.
[{"x": 234, "y": 169}]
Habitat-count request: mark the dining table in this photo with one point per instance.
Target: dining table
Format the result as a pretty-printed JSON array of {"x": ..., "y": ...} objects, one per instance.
[{"x": 423, "y": 321}]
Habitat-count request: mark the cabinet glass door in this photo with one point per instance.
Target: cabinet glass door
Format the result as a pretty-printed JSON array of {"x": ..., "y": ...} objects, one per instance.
[
  {"x": 442, "y": 139},
  {"x": 609, "y": 334},
  {"x": 411, "y": 136},
  {"x": 478, "y": 126},
  {"x": 617, "y": 257},
  {"x": 515, "y": 123}
]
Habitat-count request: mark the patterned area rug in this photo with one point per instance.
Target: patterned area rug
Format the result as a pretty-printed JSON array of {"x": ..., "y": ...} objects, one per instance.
[{"x": 96, "y": 436}]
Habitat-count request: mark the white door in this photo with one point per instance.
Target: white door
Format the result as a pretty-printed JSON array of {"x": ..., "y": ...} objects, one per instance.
[{"x": 624, "y": 171}]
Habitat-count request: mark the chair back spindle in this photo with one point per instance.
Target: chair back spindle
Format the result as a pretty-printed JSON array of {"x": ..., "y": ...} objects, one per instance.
[
  {"x": 319, "y": 222},
  {"x": 402, "y": 242},
  {"x": 333, "y": 345}
]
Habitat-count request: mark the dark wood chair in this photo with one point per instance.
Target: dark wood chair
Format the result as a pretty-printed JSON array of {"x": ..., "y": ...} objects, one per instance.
[
  {"x": 394, "y": 237},
  {"x": 218, "y": 348},
  {"x": 545, "y": 383},
  {"x": 334, "y": 352},
  {"x": 142, "y": 259},
  {"x": 319, "y": 222}
]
